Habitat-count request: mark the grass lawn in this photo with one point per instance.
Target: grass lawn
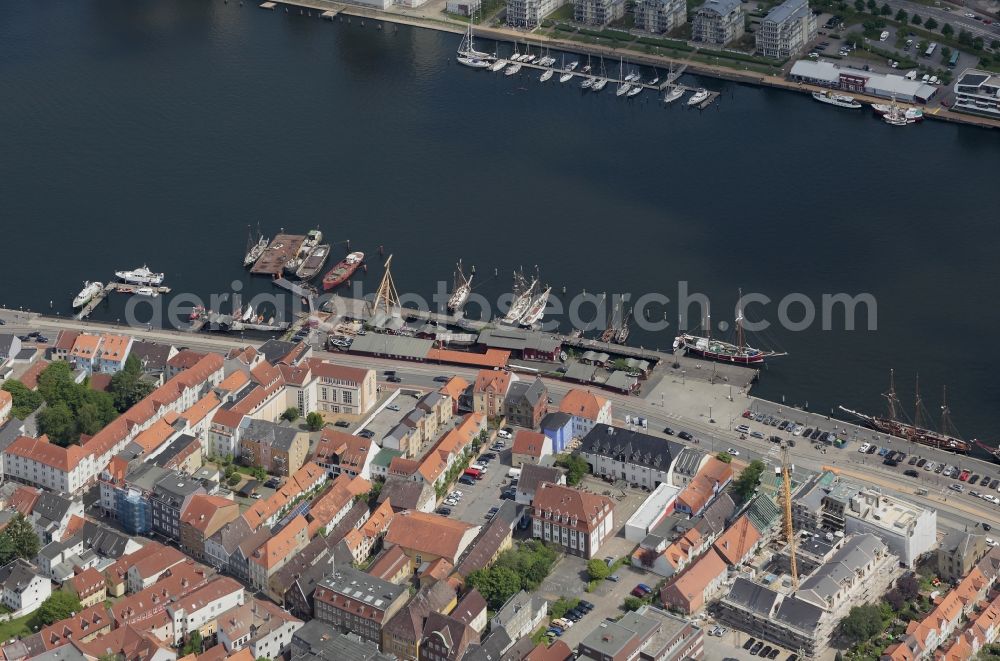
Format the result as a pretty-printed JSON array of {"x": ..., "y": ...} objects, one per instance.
[
  {"x": 564, "y": 13},
  {"x": 14, "y": 628}
]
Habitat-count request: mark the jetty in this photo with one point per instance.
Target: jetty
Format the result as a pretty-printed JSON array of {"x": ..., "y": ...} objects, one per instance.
[
  {"x": 121, "y": 288},
  {"x": 282, "y": 248}
]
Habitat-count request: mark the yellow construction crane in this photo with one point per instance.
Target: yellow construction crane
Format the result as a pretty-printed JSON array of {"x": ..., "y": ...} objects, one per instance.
[{"x": 786, "y": 492}]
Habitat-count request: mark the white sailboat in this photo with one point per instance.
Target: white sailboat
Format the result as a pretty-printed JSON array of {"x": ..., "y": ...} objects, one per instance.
[
  {"x": 586, "y": 69},
  {"x": 546, "y": 75},
  {"x": 602, "y": 80},
  {"x": 499, "y": 64},
  {"x": 675, "y": 93},
  {"x": 537, "y": 309},
  {"x": 587, "y": 82},
  {"x": 516, "y": 55},
  {"x": 624, "y": 86},
  {"x": 468, "y": 48},
  {"x": 512, "y": 69},
  {"x": 636, "y": 90}
]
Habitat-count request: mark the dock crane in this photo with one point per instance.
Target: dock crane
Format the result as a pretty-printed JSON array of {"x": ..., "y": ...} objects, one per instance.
[{"x": 786, "y": 493}]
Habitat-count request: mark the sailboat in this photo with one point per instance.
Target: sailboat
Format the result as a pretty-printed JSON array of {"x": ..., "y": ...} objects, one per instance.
[
  {"x": 621, "y": 336},
  {"x": 512, "y": 69},
  {"x": 499, "y": 64},
  {"x": 537, "y": 309},
  {"x": 254, "y": 249},
  {"x": 567, "y": 74},
  {"x": 611, "y": 332},
  {"x": 462, "y": 290},
  {"x": 516, "y": 55},
  {"x": 547, "y": 60},
  {"x": 546, "y": 75},
  {"x": 946, "y": 439},
  {"x": 675, "y": 93},
  {"x": 636, "y": 90},
  {"x": 600, "y": 83},
  {"x": 523, "y": 296},
  {"x": 467, "y": 49},
  {"x": 724, "y": 352},
  {"x": 587, "y": 82},
  {"x": 586, "y": 69},
  {"x": 624, "y": 85},
  {"x": 528, "y": 56}
]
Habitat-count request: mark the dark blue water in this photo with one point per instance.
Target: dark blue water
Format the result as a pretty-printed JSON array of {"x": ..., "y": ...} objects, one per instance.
[{"x": 156, "y": 131}]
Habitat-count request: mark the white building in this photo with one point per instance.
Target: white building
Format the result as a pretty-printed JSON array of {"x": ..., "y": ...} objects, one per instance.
[
  {"x": 650, "y": 512},
  {"x": 907, "y": 529},
  {"x": 976, "y": 92},
  {"x": 786, "y": 30},
  {"x": 887, "y": 86},
  {"x": 659, "y": 16},
  {"x": 598, "y": 12},
  {"x": 260, "y": 626},
  {"x": 586, "y": 409},
  {"x": 24, "y": 589},
  {"x": 624, "y": 454},
  {"x": 718, "y": 22},
  {"x": 529, "y": 13},
  {"x": 191, "y": 612}
]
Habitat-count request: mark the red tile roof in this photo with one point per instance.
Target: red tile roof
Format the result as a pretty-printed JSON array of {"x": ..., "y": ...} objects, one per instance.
[
  {"x": 40, "y": 450},
  {"x": 23, "y": 500},
  {"x": 582, "y": 404},
  {"x": 323, "y": 369},
  {"x": 528, "y": 442},
  {"x": 728, "y": 545},
  {"x": 281, "y": 546},
  {"x": 202, "y": 511}
]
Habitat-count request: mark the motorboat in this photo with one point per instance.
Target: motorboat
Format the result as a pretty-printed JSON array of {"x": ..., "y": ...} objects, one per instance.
[
  {"x": 89, "y": 291},
  {"x": 674, "y": 94},
  {"x": 698, "y": 97}
]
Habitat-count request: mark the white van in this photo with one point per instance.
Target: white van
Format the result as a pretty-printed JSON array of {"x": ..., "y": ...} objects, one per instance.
[{"x": 514, "y": 473}]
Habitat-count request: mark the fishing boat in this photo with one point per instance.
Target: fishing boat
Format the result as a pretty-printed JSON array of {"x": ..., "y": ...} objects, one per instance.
[
  {"x": 313, "y": 262},
  {"x": 946, "y": 439},
  {"x": 512, "y": 69},
  {"x": 895, "y": 116},
  {"x": 523, "y": 295},
  {"x": 710, "y": 348},
  {"x": 497, "y": 65},
  {"x": 343, "y": 270},
  {"x": 674, "y": 94},
  {"x": 89, "y": 291},
  {"x": 141, "y": 276},
  {"x": 254, "y": 248},
  {"x": 536, "y": 310},
  {"x": 462, "y": 290},
  {"x": 635, "y": 91},
  {"x": 698, "y": 97},
  {"x": 546, "y": 75},
  {"x": 839, "y": 100},
  {"x": 908, "y": 115}
]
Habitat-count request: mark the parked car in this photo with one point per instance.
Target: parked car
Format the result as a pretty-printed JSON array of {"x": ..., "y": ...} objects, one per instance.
[
  {"x": 503, "y": 433},
  {"x": 393, "y": 379},
  {"x": 773, "y": 654},
  {"x": 747, "y": 645},
  {"x": 586, "y": 606},
  {"x": 668, "y": 431},
  {"x": 920, "y": 462},
  {"x": 764, "y": 652},
  {"x": 864, "y": 447},
  {"x": 963, "y": 476},
  {"x": 733, "y": 451},
  {"x": 756, "y": 647},
  {"x": 366, "y": 433},
  {"x": 442, "y": 379},
  {"x": 743, "y": 429},
  {"x": 974, "y": 479},
  {"x": 444, "y": 511},
  {"x": 614, "y": 578},
  {"x": 757, "y": 434},
  {"x": 911, "y": 473},
  {"x": 913, "y": 460}
]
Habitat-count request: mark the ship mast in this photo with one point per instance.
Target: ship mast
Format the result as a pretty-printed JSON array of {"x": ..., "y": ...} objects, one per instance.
[
  {"x": 918, "y": 405},
  {"x": 740, "y": 339},
  {"x": 890, "y": 397},
  {"x": 946, "y": 427}
]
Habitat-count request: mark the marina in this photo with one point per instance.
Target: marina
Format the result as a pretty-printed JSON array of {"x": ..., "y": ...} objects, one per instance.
[{"x": 102, "y": 293}]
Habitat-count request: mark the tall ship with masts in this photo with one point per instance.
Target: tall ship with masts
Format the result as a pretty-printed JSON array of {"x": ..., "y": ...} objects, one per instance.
[
  {"x": 946, "y": 439},
  {"x": 615, "y": 327},
  {"x": 537, "y": 309},
  {"x": 461, "y": 291},
  {"x": 524, "y": 293},
  {"x": 710, "y": 348}
]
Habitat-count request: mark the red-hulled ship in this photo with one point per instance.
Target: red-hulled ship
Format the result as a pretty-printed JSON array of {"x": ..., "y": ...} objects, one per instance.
[
  {"x": 892, "y": 425},
  {"x": 723, "y": 352},
  {"x": 343, "y": 270}
]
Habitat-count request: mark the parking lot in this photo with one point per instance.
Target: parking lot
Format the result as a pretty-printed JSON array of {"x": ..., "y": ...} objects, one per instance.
[
  {"x": 483, "y": 494},
  {"x": 730, "y": 645}
]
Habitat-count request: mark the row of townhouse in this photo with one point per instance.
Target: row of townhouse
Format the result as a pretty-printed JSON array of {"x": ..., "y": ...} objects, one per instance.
[
  {"x": 450, "y": 448},
  {"x": 38, "y": 462}
]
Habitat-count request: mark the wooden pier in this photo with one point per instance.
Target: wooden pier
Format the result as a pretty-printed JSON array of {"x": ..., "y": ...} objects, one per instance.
[
  {"x": 121, "y": 288},
  {"x": 282, "y": 248}
]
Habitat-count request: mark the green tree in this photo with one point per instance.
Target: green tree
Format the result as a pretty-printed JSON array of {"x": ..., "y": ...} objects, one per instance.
[
  {"x": 194, "y": 643},
  {"x": 314, "y": 421},
  {"x": 291, "y": 414},
  {"x": 57, "y": 607},
  {"x": 128, "y": 386},
  {"x": 947, "y": 30},
  {"x": 597, "y": 569},
  {"x": 724, "y": 457},
  {"x": 25, "y": 401},
  {"x": 859, "y": 5},
  {"x": 496, "y": 584},
  {"x": 862, "y": 623},
  {"x": 561, "y": 606},
  {"x": 995, "y": 44},
  {"x": 872, "y": 6},
  {"x": 23, "y": 541},
  {"x": 965, "y": 38},
  {"x": 931, "y": 24},
  {"x": 110, "y": 656},
  {"x": 633, "y": 603},
  {"x": 745, "y": 485},
  {"x": 885, "y": 10},
  {"x": 916, "y": 20},
  {"x": 375, "y": 491},
  {"x": 575, "y": 465},
  {"x": 902, "y": 16},
  {"x": 56, "y": 421},
  {"x": 978, "y": 43}
]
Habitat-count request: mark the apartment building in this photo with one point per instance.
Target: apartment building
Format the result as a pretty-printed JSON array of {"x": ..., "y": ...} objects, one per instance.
[
  {"x": 718, "y": 22},
  {"x": 352, "y": 601},
  {"x": 660, "y": 16},
  {"x": 577, "y": 521},
  {"x": 786, "y": 30}
]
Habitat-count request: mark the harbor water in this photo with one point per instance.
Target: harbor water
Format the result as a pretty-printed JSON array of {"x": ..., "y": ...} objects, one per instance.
[{"x": 155, "y": 132}]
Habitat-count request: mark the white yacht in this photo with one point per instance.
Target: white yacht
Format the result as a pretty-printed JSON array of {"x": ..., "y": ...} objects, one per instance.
[
  {"x": 473, "y": 62},
  {"x": 141, "y": 276},
  {"x": 566, "y": 77},
  {"x": 146, "y": 291},
  {"x": 89, "y": 291},
  {"x": 699, "y": 96}
]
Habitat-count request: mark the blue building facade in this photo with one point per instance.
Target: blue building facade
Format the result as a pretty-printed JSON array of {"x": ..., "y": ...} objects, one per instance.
[
  {"x": 558, "y": 427},
  {"x": 134, "y": 511}
]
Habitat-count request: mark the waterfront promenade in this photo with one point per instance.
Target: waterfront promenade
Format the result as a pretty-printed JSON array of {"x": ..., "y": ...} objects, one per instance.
[
  {"x": 415, "y": 18},
  {"x": 695, "y": 397}
]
